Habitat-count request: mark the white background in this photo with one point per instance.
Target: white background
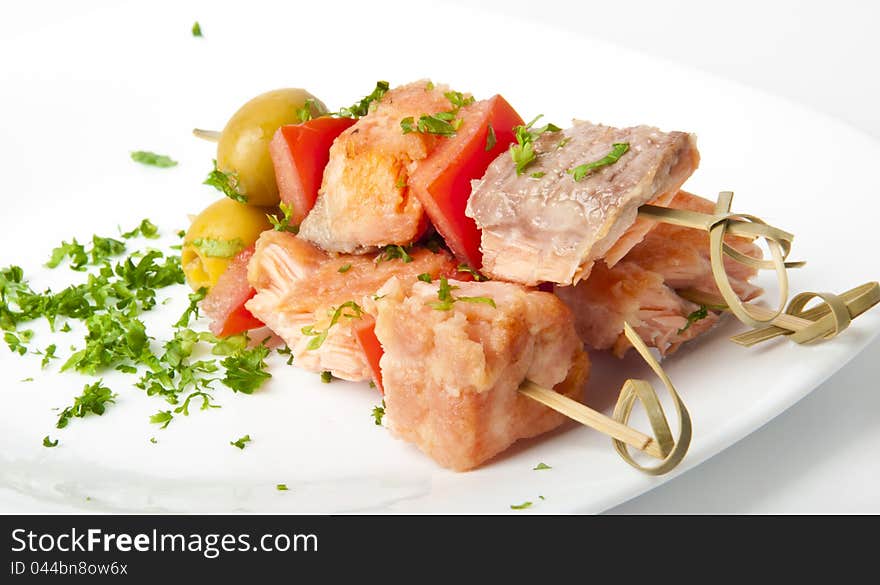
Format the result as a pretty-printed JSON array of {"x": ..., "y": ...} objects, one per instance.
[{"x": 821, "y": 455}]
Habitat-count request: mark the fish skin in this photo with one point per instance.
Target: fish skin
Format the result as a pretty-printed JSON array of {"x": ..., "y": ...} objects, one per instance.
[{"x": 552, "y": 228}]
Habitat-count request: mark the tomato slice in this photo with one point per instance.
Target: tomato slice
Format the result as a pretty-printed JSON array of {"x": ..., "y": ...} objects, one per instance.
[
  {"x": 442, "y": 182},
  {"x": 365, "y": 333},
  {"x": 225, "y": 301},
  {"x": 299, "y": 154}
]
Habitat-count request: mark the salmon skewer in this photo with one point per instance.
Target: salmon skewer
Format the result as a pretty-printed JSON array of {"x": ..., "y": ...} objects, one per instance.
[
  {"x": 642, "y": 288},
  {"x": 364, "y": 201},
  {"x": 451, "y": 377},
  {"x": 543, "y": 225},
  {"x": 300, "y": 286}
]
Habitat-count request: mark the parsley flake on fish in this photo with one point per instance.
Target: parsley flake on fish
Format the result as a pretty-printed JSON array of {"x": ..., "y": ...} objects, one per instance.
[
  {"x": 282, "y": 224},
  {"x": 618, "y": 149},
  {"x": 362, "y": 108},
  {"x": 446, "y": 299},
  {"x": 318, "y": 336},
  {"x": 523, "y": 152},
  {"x": 145, "y": 157},
  {"x": 692, "y": 318}
]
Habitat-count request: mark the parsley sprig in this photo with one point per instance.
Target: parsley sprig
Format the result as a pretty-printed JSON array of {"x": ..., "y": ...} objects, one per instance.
[
  {"x": 318, "y": 336},
  {"x": 94, "y": 398},
  {"x": 226, "y": 183},
  {"x": 362, "y": 108},
  {"x": 618, "y": 149},
  {"x": 446, "y": 298},
  {"x": 282, "y": 224},
  {"x": 523, "y": 152}
]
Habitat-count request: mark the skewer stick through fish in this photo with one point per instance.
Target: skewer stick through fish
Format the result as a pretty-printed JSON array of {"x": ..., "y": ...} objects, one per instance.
[
  {"x": 802, "y": 325},
  {"x": 661, "y": 446},
  {"x": 592, "y": 418}
]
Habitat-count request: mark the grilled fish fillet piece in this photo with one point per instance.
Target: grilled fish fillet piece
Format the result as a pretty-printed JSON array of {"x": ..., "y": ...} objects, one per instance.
[
  {"x": 299, "y": 285},
  {"x": 451, "y": 377},
  {"x": 681, "y": 255},
  {"x": 364, "y": 200},
  {"x": 630, "y": 293},
  {"x": 549, "y": 227}
]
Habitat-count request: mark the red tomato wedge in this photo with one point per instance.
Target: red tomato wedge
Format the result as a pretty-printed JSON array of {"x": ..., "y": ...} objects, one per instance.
[
  {"x": 225, "y": 301},
  {"x": 299, "y": 154},
  {"x": 442, "y": 182},
  {"x": 365, "y": 333}
]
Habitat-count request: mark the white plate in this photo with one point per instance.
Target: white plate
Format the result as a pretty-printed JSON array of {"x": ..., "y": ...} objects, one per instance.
[{"x": 78, "y": 97}]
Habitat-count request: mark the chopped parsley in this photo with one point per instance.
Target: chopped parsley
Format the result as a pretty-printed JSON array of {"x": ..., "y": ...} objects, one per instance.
[
  {"x": 94, "y": 398},
  {"x": 537, "y": 175},
  {"x": 618, "y": 149},
  {"x": 196, "y": 29},
  {"x": 226, "y": 183},
  {"x": 304, "y": 114},
  {"x": 541, "y": 466},
  {"x": 73, "y": 250},
  {"x": 467, "y": 269},
  {"x": 145, "y": 157},
  {"x": 424, "y": 277},
  {"x": 378, "y": 414},
  {"x": 523, "y": 152},
  {"x": 282, "y": 487},
  {"x": 48, "y": 354},
  {"x": 146, "y": 229},
  {"x": 326, "y": 377},
  {"x": 319, "y": 336},
  {"x": 491, "y": 140},
  {"x": 216, "y": 248},
  {"x": 441, "y": 124},
  {"x": 344, "y": 268},
  {"x": 193, "y": 309},
  {"x": 18, "y": 343},
  {"x": 163, "y": 417},
  {"x": 394, "y": 252},
  {"x": 446, "y": 299},
  {"x": 697, "y": 315},
  {"x": 153, "y": 440},
  {"x": 282, "y": 224},
  {"x": 47, "y": 442},
  {"x": 458, "y": 100},
  {"x": 522, "y": 506},
  {"x": 246, "y": 369},
  {"x": 288, "y": 352},
  {"x": 240, "y": 443},
  {"x": 362, "y": 108}
]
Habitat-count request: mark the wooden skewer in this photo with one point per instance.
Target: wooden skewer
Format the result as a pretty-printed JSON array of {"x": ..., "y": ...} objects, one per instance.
[
  {"x": 591, "y": 418},
  {"x": 209, "y": 135}
]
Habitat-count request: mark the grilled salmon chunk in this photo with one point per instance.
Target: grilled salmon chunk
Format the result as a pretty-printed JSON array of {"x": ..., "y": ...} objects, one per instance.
[
  {"x": 542, "y": 225},
  {"x": 451, "y": 376},
  {"x": 681, "y": 255},
  {"x": 300, "y": 286},
  {"x": 364, "y": 200},
  {"x": 642, "y": 288}
]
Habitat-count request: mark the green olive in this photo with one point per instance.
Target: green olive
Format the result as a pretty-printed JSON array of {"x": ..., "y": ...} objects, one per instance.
[
  {"x": 243, "y": 147},
  {"x": 215, "y": 236}
]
